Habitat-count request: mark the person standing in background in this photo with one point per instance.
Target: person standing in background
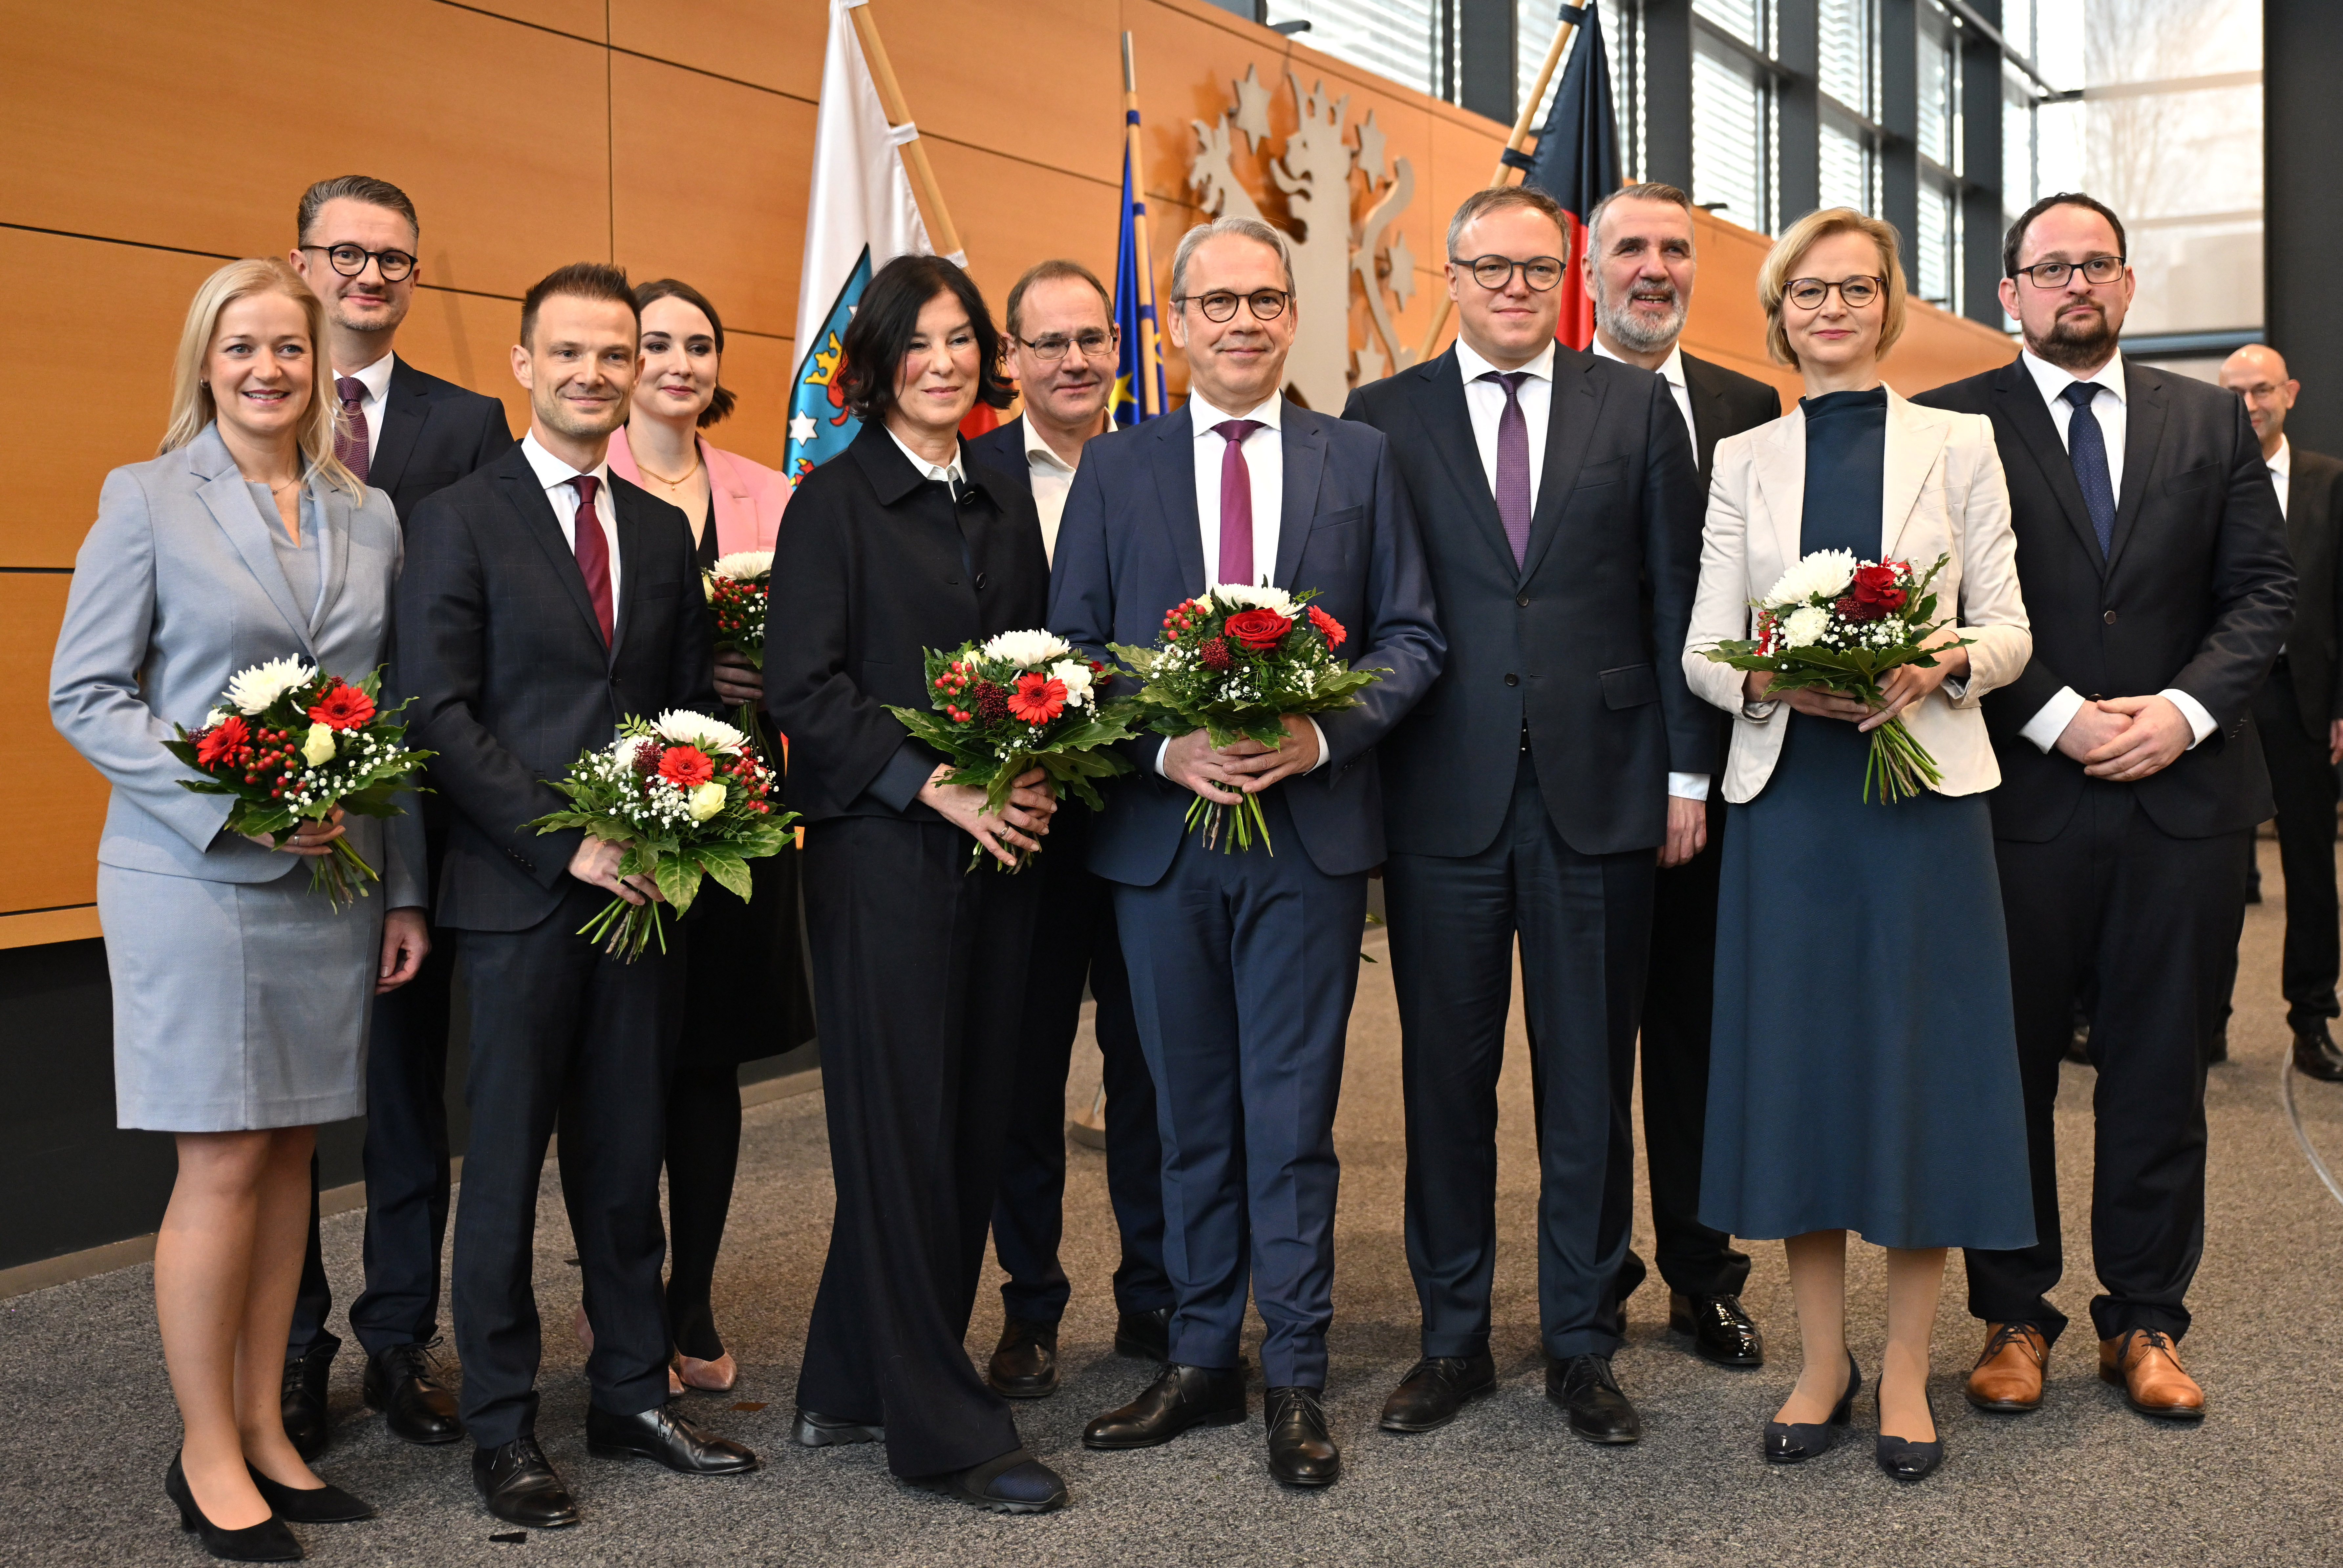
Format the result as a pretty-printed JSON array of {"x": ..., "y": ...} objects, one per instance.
[
  {"x": 1639, "y": 268},
  {"x": 2296, "y": 708},
  {"x": 1061, "y": 344},
  {"x": 407, "y": 435}
]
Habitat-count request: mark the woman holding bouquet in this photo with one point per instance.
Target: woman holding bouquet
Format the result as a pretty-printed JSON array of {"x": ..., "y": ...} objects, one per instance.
[
  {"x": 898, "y": 545},
  {"x": 1865, "y": 1079},
  {"x": 240, "y": 993}
]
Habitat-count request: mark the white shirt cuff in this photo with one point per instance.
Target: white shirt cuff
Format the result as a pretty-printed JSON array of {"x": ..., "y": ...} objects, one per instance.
[
  {"x": 2050, "y": 722},
  {"x": 1688, "y": 786},
  {"x": 1160, "y": 752},
  {"x": 2200, "y": 723}
]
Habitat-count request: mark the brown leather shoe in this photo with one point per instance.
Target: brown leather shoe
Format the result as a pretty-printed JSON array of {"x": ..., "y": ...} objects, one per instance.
[
  {"x": 2145, "y": 1364},
  {"x": 2007, "y": 1377}
]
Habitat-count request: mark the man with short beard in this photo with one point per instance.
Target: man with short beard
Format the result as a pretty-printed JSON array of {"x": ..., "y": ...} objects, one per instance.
[
  {"x": 1639, "y": 271},
  {"x": 2153, "y": 559}
]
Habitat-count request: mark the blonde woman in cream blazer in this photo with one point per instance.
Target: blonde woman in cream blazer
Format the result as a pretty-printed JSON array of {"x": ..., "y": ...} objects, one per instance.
[{"x": 1862, "y": 1062}]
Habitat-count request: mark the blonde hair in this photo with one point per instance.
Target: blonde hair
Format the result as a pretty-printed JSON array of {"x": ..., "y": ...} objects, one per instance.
[
  {"x": 193, "y": 407},
  {"x": 1802, "y": 236}
]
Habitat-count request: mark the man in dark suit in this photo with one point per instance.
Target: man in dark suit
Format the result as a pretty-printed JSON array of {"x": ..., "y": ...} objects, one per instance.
[
  {"x": 2153, "y": 560},
  {"x": 1243, "y": 965},
  {"x": 542, "y": 603},
  {"x": 1560, "y": 754},
  {"x": 1062, "y": 346},
  {"x": 1640, "y": 269},
  {"x": 2296, "y": 709},
  {"x": 408, "y": 435}
]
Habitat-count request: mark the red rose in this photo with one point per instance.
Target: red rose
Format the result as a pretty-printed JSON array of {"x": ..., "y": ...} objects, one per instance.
[
  {"x": 1258, "y": 628},
  {"x": 1328, "y": 627},
  {"x": 342, "y": 706},
  {"x": 1876, "y": 586},
  {"x": 222, "y": 741},
  {"x": 686, "y": 767},
  {"x": 1038, "y": 698}
]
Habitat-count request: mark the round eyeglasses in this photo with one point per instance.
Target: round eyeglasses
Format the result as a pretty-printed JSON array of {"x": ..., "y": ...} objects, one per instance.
[
  {"x": 350, "y": 260},
  {"x": 1221, "y": 305},
  {"x": 1543, "y": 273},
  {"x": 2054, "y": 274},
  {"x": 1854, "y": 292}
]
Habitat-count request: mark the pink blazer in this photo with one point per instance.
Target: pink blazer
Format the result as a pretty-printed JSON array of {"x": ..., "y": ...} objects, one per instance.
[{"x": 748, "y": 497}]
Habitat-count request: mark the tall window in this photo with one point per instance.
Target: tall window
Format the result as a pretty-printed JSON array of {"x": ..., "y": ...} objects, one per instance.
[
  {"x": 1392, "y": 38},
  {"x": 1734, "y": 121},
  {"x": 1936, "y": 247},
  {"x": 1847, "y": 35}
]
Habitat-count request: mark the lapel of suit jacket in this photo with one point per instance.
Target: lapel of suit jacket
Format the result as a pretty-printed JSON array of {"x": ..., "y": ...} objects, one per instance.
[
  {"x": 1914, "y": 437},
  {"x": 626, "y": 503},
  {"x": 233, "y": 508},
  {"x": 1572, "y": 410},
  {"x": 528, "y": 497},
  {"x": 2143, "y": 434},
  {"x": 404, "y": 410},
  {"x": 1439, "y": 405},
  {"x": 1175, "y": 485},
  {"x": 2022, "y": 406},
  {"x": 340, "y": 515},
  {"x": 1779, "y": 462},
  {"x": 1304, "y": 447},
  {"x": 1708, "y": 416}
]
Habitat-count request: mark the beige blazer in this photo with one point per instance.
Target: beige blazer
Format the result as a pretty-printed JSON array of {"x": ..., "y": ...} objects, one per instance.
[{"x": 1943, "y": 494}]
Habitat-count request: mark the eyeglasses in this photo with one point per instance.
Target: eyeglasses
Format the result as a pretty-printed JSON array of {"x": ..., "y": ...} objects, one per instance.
[
  {"x": 350, "y": 260},
  {"x": 1050, "y": 347},
  {"x": 1543, "y": 273},
  {"x": 2054, "y": 274},
  {"x": 1221, "y": 305},
  {"x": 1854, "y": 292}
]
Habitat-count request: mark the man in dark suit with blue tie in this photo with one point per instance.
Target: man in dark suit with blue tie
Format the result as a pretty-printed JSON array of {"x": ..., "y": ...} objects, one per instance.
[
  {"x": 1243, "y": 965},
  {"x": 1560, "y": 759}
]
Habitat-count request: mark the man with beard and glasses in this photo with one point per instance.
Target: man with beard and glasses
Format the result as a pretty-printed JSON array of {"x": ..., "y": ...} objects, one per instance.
[
  {"x": 2153, "y": 559},
  {"x": 1639, "y": 271}
]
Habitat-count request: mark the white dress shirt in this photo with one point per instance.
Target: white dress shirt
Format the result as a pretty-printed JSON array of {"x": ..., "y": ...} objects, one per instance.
[
  {"x": 1672, "y": 372},
  {"x": 376, "y": 379},
  {"x": 556, "y": 475},
  {"x": 2111, "y": 408},
  {"x": 945, "y": 473},
  {"x": 2281, "y": 468},
  {"x": 1485, "y": 402},
  {"x": 1051, "y": 476}
]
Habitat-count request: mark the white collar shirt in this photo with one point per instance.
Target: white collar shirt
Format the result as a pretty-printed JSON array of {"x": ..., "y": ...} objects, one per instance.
[
  {"x": 376, "y": 379},
  {"x": 950, "y": 473},
  {"x": 2282, "y": 471},
  {"x": 1051, "y": 476},
  {"x": 557, "y": 477},
  {"x": 1672, "y": 372},
  {"x": 1265, "y": 456},
  {"x": 2111, "y": 407},
  {"x": 1485, "y": 401}
]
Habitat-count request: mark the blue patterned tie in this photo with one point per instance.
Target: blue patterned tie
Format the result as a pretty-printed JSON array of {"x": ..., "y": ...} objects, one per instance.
[{"x": 2087, "y": 448}]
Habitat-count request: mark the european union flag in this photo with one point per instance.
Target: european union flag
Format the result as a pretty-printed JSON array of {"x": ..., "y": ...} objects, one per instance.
[{"x": 1139, "y": 371}]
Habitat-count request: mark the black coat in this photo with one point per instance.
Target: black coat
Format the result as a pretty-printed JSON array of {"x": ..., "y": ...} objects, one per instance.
[
  {"x": 873, "y": 565},
  {"x": 2198, "y": 593},
  {"x": 434, "y": 433},
  {"x": 2314, "y": 537},
  {"x": 498, "y": 647},
  {"x": 1725, "y": 403},
  {"x": 1584, "y": 645}
]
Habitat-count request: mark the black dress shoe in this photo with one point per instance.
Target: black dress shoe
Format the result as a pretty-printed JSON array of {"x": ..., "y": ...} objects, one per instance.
[
  {"x": 1910, "y": 1460},
  {"x": 311, "y": 1506},
  {"x": 1721, "y": 1332},
  {"x": 519, "y": 1487},
  {"x": 1181, "y": 1398},
  {"x": 1599, "y": 1412},
  {"x": 401, "y": 1384},
  {"x": 266, "y": 1541},
  {"x": 305, "y": 1377},
  {"x": 1025, "y": 1362},
  {"x": 1796, "y": 1441},
  {"x": 1144, "y": 1336},
  {"x": 814, "y": 1430},
  {"x": 1301, "y": 1454},
  {"x": 1435, "y": 1388},
  {"x": 2315, "y": 1055},
  {"x": 660, "y": 1433},
  {"x": 1015, "y": 1482}
]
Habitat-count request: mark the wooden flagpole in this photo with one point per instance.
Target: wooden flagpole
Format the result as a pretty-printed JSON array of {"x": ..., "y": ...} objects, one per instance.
[
  {"x": 913, "y": 152},
  {"x": 1504, "y": 173},
  {"x": 1146, "y": 395}
]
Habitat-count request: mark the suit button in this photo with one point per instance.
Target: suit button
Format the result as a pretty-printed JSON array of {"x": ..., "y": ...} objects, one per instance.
[
  {"x": 2109, "y": 618},
  {"x": 1522, "y": 601},
  {"x": 1513, "y": 681},
  {"x": 979, "y": 579}
]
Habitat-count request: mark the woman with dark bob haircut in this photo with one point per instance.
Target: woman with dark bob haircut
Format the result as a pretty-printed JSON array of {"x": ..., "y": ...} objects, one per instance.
[{"x": 900, "y": 544}]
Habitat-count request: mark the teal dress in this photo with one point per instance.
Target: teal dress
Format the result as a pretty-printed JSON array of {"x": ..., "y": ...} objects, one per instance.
[{"x": 1863, "y": 1073}]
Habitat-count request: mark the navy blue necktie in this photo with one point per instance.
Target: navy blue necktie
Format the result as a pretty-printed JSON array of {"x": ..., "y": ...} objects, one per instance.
[{"x": 2087, "y": 448}]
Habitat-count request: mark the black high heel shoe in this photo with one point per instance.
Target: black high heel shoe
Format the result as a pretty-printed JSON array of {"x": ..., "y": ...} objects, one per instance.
[
  {"x": 327, "y": 1504},
  {"x": 1795, "y": 1442},
  {"x": 266, "y": 1541},
  {"x": 1907, "y": 1460}
]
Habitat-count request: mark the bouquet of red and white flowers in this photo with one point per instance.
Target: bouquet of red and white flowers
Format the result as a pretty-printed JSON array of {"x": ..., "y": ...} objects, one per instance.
[
  {"x": 1018, "y": 701},
  {"x": 293, "y": 743},
  {"x": 686, "y": 796},
  {"x": 1235, "y": 662},
  {"x": 1833, "y": 622},
  {"x": 738, "y": 588}
]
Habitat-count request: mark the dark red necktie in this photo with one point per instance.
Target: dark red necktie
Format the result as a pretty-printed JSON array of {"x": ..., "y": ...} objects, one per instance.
[
  {"x": 1236, "y": 502},
  {"x": 594, "y": 553},
  {"x": 350, "y": 440}
]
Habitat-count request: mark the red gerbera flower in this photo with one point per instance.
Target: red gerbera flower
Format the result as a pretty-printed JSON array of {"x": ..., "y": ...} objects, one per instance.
[
  {"x": 1328, "y": 627},
  {"x": 686, "y": 767},
  {"x": 342, "y": 706},
  {"x": 222, "y": 741},
  {"x": 1038, "y": 698}
]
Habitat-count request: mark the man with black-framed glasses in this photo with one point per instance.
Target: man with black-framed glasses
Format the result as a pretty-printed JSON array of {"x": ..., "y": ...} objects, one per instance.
[{"x": 2152, "y": 556}]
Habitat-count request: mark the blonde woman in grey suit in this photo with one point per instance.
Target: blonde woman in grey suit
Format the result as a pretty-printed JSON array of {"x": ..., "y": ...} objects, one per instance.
[{"x": 240, "y": 996}]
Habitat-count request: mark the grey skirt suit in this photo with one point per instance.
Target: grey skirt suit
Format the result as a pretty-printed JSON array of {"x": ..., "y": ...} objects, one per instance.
[{"x": 240, "y": 997}]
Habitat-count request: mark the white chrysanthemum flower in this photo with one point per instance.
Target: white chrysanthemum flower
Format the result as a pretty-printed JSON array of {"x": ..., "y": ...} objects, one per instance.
[
  {"x": 215, "y": 718},
  {"x": 744, "y": 566},
  {"x": 682, "y": 727},
  {"x": 1822, "y": 575},
  {"x": 1245, "y": 595},
  {"x": 252, "y": 691},
  {"x": 1076, "y": 674},
  {"x": 1803, "y": 627},
  {"x": 1025, "y": 649}
]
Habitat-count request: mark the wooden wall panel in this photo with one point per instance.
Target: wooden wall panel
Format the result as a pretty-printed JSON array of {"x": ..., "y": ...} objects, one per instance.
[
  {"x": 467, "y": 339},
  {"x": 775, "y": 43},
  {"x": 1041, "y": 81},
  {"x": 44, "y": 782},
  {"x": 757, "y": 370}
]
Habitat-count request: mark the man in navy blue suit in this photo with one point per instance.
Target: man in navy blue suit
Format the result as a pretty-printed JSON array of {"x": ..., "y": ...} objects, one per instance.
[{"x": 1243, "y": 966}]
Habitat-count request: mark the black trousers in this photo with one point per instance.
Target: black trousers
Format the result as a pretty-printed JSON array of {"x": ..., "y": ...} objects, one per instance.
[
  {"x": 1583, "y": 922},
  {"x": 919, "y": 978},
  {"x": 1679, "y": 994},
  {"x": 2304, "y": 782},
  {"x": 2138, "y": 925},
  {"x": 1074, "y": 941},
  {"x": 566, "y": 1038}
]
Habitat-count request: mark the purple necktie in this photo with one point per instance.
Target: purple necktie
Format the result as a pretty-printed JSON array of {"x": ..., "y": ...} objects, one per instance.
[
  {"x": 593, "y": 554},
  {"x": 1514, "y": 463},
  {"x": 351, "y": 439},
  {"x": 1236, "y": 502}
]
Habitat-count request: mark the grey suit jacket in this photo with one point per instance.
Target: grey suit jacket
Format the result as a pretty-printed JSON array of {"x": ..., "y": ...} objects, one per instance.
[{"x": 176, "y": 590}]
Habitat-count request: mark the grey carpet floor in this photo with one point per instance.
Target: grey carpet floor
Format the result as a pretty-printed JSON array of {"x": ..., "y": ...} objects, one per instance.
[{"x": 89, "y": 1426}]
